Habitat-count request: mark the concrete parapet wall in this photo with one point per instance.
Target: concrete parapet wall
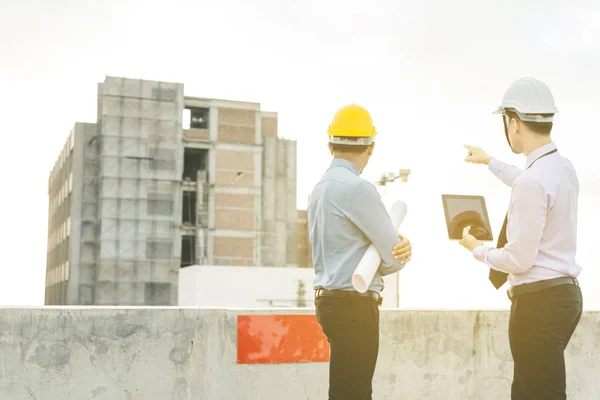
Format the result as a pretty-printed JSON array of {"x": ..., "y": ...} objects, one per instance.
[{"x": 187, "y": 353}]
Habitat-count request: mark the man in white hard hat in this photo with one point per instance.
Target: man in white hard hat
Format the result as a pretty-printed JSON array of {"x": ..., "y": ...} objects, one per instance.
[{"x": 537, "y": 245}]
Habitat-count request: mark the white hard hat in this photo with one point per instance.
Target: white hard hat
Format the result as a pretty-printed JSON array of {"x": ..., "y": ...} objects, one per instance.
[{"x": 529, "y": 98}]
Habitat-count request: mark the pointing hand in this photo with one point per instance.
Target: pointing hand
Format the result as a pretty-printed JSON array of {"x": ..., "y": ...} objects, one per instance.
[{"x": 477, "y": 156}]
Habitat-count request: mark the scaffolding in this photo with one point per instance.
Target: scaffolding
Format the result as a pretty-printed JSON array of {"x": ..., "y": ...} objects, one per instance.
[{"x": 137, "y": 184}]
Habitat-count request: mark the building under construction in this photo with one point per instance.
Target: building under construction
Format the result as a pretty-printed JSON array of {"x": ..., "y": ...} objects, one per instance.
[{"x": 162, "y": 181}]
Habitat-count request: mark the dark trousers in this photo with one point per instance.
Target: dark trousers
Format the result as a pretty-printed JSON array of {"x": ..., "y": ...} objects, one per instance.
[
  {"x": 541, "y": 325},
  {"x": 352, "y": 329}
]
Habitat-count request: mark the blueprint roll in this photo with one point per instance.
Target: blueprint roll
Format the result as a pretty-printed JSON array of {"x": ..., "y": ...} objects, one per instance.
[{"x": 369, "y": 263}]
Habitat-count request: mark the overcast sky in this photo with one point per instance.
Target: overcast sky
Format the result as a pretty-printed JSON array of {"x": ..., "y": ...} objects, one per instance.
[{"x": 430, "y": 72}]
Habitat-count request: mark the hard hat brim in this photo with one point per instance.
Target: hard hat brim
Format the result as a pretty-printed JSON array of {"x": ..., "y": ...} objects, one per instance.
[
  {"x": 517, "y": 109},
  {"x": 529, "y": 117},
  {"x": 352, "y": 141}
]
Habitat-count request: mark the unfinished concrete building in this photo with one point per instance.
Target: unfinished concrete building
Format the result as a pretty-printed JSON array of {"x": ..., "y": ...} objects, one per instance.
[
  {"x": 162, "y": 181},
  {"x": 304, "y": 247}
]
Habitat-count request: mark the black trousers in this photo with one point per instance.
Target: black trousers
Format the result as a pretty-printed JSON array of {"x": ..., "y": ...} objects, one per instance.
[
  {"x": 352, "y": 329},
  {"x": 541, "y": 325}
]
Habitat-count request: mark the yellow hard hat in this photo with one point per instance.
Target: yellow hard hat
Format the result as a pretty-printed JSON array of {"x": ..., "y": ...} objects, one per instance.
[{"x": 354, "y": 122}]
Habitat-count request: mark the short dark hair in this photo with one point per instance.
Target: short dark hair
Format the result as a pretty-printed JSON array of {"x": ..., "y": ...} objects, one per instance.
[
  {"x": 541, "y": 128},
  {"x": 349, "y": 148}
]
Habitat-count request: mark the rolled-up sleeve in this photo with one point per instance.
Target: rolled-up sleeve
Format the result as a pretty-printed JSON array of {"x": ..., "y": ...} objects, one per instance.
[
  {"x": 526, "y": 221},
  {"x": 368, "y": 213}
]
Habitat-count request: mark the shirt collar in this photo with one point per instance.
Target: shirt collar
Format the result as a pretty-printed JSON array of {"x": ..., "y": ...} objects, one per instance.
[
  {"x": 540, "y": 151},
  {"x": 340, "y": 162}
]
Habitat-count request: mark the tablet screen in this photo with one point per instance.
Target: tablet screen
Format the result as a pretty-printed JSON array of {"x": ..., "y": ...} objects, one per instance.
[{"x": 464, "y": 210}]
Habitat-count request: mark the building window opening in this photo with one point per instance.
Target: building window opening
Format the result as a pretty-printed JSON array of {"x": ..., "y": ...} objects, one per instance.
[
  {"x": 194, "y": 160},
  {"x": 188, "y": 250},
  {"x": 195, "y": 118}
]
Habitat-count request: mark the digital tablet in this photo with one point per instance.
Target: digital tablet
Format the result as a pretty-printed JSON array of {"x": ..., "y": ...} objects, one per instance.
[{"x": 465, "y": 210}]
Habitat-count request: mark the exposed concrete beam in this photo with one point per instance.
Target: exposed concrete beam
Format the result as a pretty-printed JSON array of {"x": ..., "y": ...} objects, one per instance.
[
  {"x": 219, "y": 103},
  {"x": 268, "y": 114},
  {"x": 192, "y": 144},
  {"x": 239, "y": 147},
  {"x": 234, "y": 233}
]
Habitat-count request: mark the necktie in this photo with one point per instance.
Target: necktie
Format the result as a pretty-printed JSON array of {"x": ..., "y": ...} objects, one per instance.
[
  {"x": 496, "y": 277},
  {"x": 499, "y": 278}
]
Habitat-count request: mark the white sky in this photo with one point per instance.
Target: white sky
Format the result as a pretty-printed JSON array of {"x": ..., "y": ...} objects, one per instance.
[{"x": 429, "y": 72}]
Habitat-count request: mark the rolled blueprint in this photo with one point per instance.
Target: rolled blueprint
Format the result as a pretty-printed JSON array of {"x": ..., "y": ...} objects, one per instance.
[{"x": 369, "y": 263}]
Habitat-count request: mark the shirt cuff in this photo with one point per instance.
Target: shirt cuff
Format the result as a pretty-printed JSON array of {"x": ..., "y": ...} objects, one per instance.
[
  {"x": 480, "y": 253},
  {"x": 494, "y": 165}
]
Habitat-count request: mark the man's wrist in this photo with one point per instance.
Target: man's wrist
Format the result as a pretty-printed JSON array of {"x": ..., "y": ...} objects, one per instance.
[{"x": 479, "y": 253}]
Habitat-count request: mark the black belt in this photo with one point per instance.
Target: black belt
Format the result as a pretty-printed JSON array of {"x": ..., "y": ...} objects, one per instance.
[
  {"x": 349, "y": 294},
  {"x": 539, "y": 285}
]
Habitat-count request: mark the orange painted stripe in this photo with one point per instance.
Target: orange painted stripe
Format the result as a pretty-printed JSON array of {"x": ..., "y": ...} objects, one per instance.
[{"x": 279, "y": 339}]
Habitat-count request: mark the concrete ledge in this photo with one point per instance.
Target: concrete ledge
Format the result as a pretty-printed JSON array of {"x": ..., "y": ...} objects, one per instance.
[{"x": 190, "y": 353}]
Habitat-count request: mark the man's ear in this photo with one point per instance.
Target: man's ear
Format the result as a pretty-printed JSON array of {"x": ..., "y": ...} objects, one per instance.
[
  {"x": 517, "y": 123},
  {"x": 330, "y": 148},
  {"x": 371, "y": 148}
]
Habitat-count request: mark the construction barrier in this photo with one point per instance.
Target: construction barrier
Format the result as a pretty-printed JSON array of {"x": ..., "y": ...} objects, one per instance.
[{"x": 269, "y": 354}]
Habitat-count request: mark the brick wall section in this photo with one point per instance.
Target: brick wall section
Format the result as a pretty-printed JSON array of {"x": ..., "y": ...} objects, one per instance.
[
  {"x": 236, "y": 134},
  {"x": 230, "y": 163},
  {"x": 234, "y": 200},
  {"x": 237, "y": 117},
  {"x": 240, "y": 220},
  {"x": 235, "y": 160},
  {"x": 230, "y": 178},
  {"x": 269, "y": 127},
  {"x": 236, "y": 126},
  {"x": 196, "y": 134},
  {"x": 233, "y": 247}
]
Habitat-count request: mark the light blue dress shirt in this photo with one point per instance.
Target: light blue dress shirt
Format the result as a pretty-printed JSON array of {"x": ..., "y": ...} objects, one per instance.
[{"x": 346, "y": 215}]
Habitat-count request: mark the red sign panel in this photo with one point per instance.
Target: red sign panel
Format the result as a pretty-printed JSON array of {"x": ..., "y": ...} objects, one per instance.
[{"x": 279, "y": 339}]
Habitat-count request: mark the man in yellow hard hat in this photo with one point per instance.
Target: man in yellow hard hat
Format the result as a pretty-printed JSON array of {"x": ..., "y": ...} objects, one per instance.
[{"x": 345, "y": 216}]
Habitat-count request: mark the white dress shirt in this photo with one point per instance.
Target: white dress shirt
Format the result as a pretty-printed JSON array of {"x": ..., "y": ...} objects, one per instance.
[{"x": 542, "y": 219}]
